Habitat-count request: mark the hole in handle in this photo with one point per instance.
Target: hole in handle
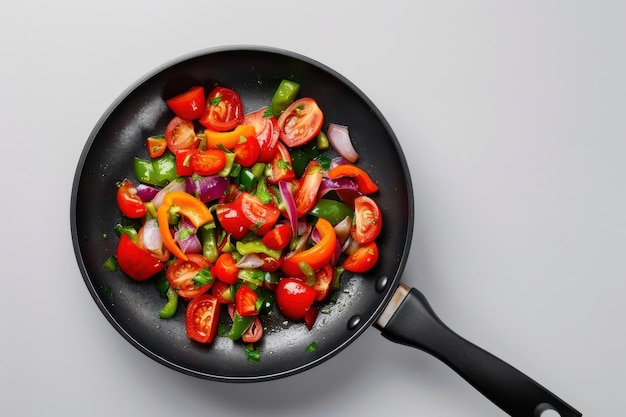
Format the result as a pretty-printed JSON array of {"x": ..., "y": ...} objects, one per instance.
[{"x": 546, "y": 410}]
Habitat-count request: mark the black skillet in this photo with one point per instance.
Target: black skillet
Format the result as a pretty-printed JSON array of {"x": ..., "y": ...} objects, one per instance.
[{"x": 378, "y": 298}]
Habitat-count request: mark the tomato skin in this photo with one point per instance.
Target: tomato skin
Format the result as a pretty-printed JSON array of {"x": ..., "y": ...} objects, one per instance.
[
  {"x": 279, "y": 237},
  {"x": 129, "y": 203},
  {"x": 225, "y": 268},
  {"x": 230, "y": 218},
  {"x": 224, "y": 110},
  {"x": 189, "y": 105},
  {"x": 363, "y": 259},
  {"x": 180, "y": 134},
  {"x": 306, "y": 193},
  {"x": 202, "y": 318},
  {"x": 300, "y": 122},
  {"x": 294, "y": 298},
  {"x": 135, "y": 262},
  {"x": 247, "y": 151},
  {"x": 245, "y": 301},
  {"x": 208, "y": 162},
  {"x": 180, "y": 274},
  {"x": 368, "y": 220},
  {"x": 266, "y": 132}
]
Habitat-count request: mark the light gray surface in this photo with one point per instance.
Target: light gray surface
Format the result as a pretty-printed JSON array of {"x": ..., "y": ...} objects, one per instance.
[{"x": 511, "y": 115}]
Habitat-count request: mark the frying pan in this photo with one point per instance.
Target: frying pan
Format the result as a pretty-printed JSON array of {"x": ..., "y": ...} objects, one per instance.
[{"x": 377, "y": 298}]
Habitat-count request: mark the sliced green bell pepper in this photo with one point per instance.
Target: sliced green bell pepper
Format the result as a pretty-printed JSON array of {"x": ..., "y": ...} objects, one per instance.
[
  {"x": 284, "y": 95},
  {"x": 332, "y": 210},
  {"x": 158, "y": 171}
]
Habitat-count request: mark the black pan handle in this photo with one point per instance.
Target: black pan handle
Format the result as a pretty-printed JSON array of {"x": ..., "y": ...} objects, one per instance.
[{"x": 410, "y": 320}]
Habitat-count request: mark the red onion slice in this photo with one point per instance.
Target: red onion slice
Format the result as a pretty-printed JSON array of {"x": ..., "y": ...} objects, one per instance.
[
  {"x": 339, "y": 138},
  {"x": 207, "y": 188},
  {"x": 290, "y": 205}
]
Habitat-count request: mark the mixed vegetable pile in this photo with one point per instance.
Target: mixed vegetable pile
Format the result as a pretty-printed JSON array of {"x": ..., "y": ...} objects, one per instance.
[{"x": 246, "y": 211}]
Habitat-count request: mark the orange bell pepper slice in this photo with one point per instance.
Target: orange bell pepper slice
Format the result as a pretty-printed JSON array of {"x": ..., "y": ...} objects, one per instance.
[
  {"x": 316, "y": 256},
  {"x": 190, "y": 207},
  {"x": 363, "y": 181},
  {"x": 227, "y": 139}
]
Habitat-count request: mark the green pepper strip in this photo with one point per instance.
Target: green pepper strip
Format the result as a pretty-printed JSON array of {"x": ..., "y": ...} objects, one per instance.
[
  {"x": 111, "y": 264},
  {"x": 308, "y": 272},
  {"x": 209, "y": 243},
  {"x": 240, "y": 325},
  {"x": 248, "y": 177},
  {"x": 169, "y": 308},
  {"x": 230, "y": 162},
  {"x": 256, "y": 246},
  {"x": 254, "y": 277},
  {"x": 284, "y": 95},
  {"x": 332, "y": 210},
  {"x": 322, "y": 141},
  {"x": 127, "y": 230}
]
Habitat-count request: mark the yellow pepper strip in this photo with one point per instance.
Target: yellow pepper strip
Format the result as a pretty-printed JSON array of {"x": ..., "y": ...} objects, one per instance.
[
  {"x": 227, "y": 139},
  {"x": 317, "y": 256},
  {"x": 190, "y": 207}
]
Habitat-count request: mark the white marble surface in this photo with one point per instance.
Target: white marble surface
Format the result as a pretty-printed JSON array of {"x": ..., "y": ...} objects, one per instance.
[{"x": 511, "y": 115}]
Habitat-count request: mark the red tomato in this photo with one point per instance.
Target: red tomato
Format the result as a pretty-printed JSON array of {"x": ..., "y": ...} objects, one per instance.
[
  {"x": 310, "y": 317},
  {"x": 300, "y": 122},
  {"x": 266, "y": 131},
  {"x": 225, "y": 268},
  {"x": 363, "y": 259},
  {"x": 367, "y": 220},
  {"x": 323, "y": 279},
  {"x": 129, "y": 203},
  {"x": 224, "y": 110},
  {"x": 245, "y": 301},
  {"x": 202, "y": 318},
  {"x": 180, "y": 275},
  {"x": 208, "y": 162},
  {"x": 279, "y": 237},
  {"x": 188, "y": 105},
  {"x": 180, "y": 134},
  {"x": 136, "y": 262},
  {"x": 306, "y": 193},
  {"x": 294, "y": 298},
  {"x": 223, "y": 292},
  {"x": 230, "y": 218},
  {"x": 281, "y": 165},
  {"x": 247, "y": 151},
  {"x": 156, "y": 146},
  {"x": 183, "y": 162},
  {"x": 257, "y": 216}
]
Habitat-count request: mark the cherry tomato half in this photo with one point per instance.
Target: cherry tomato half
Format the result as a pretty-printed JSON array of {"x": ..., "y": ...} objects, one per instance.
[
  {"x": 180, "y": 134},
  {"x": 224, "y": 110},
  {"x": 129, "y": 203},
  {"x": 300, "y": 122},
  {"x": 136, "y": 262},
  {"x": 323, "y": 280},
  {"x": 156, "y": 146},
  {"x": 363, "y": 259},
  {"x": 247, "y": 151},
  {"x": 202, "y": 318},
  {"x": 266, "y": 132},
  {"x": 245, "y": 301},
  {"x": 257, "y": 216},
  {"x": 279, "y": 237},
  {"x": 189, "y": 105},
  {"x": 225, "y": 268},
  {"x": 306, "y": 194},
  {"x": 281, "y": 166},
  {"x": 180, "y": 274},
  {"x": 294, "y": 298},
  {"x": 368, "y": 220},
  {"x": 208, "y": 162}
]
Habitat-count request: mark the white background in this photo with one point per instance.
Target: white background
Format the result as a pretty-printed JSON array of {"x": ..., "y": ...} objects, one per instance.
[{"x": 511, "y": 115}]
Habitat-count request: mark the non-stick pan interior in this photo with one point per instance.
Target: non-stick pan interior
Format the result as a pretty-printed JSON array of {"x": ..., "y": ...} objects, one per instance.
[{"x": 132, "y": 307}]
